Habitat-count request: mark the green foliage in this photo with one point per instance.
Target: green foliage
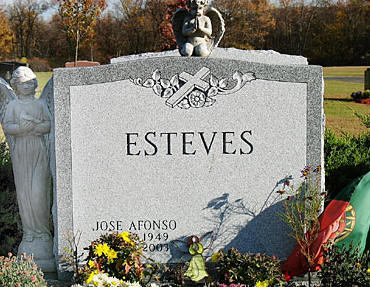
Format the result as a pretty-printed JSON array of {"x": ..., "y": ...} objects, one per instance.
[
  {"x": 174, "y": 274},
  {"x": 346, "y": 158},
  {"x": 117, "y": 255},
  {"x": 235, "y": 267},
  {"x": 302, "y": 208},
  {"x": 10, "y": 223},
  {"x": 365, "y": 119},
  {"x": 20, "y": 272},
  {"x": 345, "y": 267}
]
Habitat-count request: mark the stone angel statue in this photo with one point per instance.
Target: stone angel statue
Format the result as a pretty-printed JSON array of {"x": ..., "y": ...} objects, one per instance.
[
  {"x": 27, "y": 123},
  {"x": 198, "y": 30}
]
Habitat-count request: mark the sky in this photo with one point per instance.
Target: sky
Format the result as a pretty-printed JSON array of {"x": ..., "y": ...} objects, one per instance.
[{"x": 47, "y": 15}]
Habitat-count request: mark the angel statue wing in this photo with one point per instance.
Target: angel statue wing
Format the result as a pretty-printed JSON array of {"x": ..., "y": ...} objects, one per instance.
[
  {"x": 47, "y": 99},
  {"x": 218, "y": 26},
  {"x": 6, "y": 95},
  {"x": 177, "y": 23}
]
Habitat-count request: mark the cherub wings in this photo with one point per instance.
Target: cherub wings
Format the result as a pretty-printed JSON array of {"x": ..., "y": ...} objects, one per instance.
[
  {"x": 218, "y": 26},
  {"x": 177, "y": 23}
]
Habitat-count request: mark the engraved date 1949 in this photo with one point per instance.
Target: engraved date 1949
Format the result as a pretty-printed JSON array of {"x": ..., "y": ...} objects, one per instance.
[{"x": 155, "y": 242}]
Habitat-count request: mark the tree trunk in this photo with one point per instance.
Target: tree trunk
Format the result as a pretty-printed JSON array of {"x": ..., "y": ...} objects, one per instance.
[{"x": 77, "y": 44}]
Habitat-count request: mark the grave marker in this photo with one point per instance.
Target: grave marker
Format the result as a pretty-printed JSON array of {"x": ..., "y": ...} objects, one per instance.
[{"x": 211, "y": 160}]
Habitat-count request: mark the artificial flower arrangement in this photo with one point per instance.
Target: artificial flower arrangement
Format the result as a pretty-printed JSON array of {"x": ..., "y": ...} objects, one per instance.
[
  {"x": 104, "y": 280},
  {"x": 114, "y": 259}
]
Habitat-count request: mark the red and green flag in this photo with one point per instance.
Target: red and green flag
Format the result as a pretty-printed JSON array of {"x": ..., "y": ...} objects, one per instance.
[{"x": 346, "y": 221}]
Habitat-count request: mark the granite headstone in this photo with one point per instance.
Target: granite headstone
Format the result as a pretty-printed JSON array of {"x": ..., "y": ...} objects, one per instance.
[{"x": 168, "y": 147}]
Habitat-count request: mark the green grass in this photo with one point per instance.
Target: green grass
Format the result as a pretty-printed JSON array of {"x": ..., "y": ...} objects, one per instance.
[
  {"x": 341, "y": 119},
  {"x": 42, "y": 78},
  {"x": 340, "y": 89},
  {"x": 338, "y": 105},
  {"x": 351, "y": 71}
]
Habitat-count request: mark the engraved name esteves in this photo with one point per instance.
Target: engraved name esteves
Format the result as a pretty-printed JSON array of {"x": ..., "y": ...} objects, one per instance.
[{"x": 188, "y": 143}]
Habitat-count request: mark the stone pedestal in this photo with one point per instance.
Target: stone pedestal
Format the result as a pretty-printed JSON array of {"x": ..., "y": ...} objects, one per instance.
[{"x": 42, "y": 251}]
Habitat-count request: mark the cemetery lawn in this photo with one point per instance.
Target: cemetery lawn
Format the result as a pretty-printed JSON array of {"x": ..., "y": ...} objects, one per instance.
[
  {"x": 43, "y": 78},
  {"x": 338, "y": 105},
  {"x": 338, "y": 90},
  {"x": 348, "y": 71}
]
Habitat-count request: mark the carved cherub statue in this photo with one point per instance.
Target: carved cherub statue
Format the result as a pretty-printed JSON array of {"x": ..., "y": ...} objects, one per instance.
[{"x": 198, "y": 30}]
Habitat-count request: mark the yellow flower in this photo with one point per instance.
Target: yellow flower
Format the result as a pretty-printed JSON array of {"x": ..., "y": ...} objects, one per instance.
[
  {"x": 216, "y": 256},
  {"x": 262, "y": 284},
  {"x": 368, "y": 271},
  {"x": 126, "y": 237},
  {"x": 111, "y": 255},
  {"x": 91, "y": 276},
  {"x": 91, "y": 264},
  {"x": 101, "y": 248}
]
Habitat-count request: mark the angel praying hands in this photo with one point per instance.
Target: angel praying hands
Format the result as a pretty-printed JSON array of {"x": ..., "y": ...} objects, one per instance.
[
  {"x": 26, "y": 122},
  {"x": 198, "y": 30}
]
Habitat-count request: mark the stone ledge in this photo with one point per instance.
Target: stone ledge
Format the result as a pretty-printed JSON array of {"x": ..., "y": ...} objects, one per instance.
[{"x": 257, "y": 56}]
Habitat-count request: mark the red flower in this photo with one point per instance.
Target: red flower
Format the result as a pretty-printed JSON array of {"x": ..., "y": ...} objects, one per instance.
[{"x": 287, "y": 277}]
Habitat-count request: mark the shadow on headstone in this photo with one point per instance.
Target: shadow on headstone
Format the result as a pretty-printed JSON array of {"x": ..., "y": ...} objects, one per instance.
[{"x": 263, "y": 232}]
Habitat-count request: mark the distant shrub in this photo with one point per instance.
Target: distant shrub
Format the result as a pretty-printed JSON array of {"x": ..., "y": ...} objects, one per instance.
[
  {"x": 39, "y": 65},
  {"x": 10, "y": 223},
  {"x": 249, "y": 269},
  {"x": 345, "y": 267},
  {"x": 359, "y": 95},
  {"x": 346, "y": 158},
  {"x": 20, "y": 272}
]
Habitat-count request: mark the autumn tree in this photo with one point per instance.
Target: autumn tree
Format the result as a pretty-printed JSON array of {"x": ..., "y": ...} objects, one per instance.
[
  {"x": 5, "y": 35},
  {"x": 342, "y": 37},
  {"x": 247, "y": 22},
  {"x": 79, "y": 19},
  {"x": 23, "y": 17},
  {"x": 140, "y": 22},
  {"x": 108, "y": 38},
  {"x": 168, "y": 40}
]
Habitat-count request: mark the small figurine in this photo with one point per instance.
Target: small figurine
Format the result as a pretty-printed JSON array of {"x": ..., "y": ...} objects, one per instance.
[
  {"x": 194, "y": 249},
  {"x": 198, "y": 30},
  {"x": 197, "y": 268}
]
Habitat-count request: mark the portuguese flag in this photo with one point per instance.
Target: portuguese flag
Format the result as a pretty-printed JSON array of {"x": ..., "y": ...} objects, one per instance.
[{"x": 345, "y": 221}]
